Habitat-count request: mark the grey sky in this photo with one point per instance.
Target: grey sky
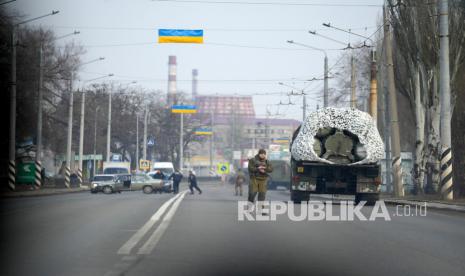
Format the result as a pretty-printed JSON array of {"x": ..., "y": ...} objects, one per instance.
[{"x": 222, "y": 69}]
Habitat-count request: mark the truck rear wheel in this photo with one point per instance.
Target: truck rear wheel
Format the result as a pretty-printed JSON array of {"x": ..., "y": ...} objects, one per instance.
[
  {"x": 299, "y": 196},
  {"x": 369, "y": 198}
]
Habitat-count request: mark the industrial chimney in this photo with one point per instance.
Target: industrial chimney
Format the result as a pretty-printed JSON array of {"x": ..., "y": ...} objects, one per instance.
[
  {"x": 195, "y": 73},
  {"x": 171, "y": 80}
]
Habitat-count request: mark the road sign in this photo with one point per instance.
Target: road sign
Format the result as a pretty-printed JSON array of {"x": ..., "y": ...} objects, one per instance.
[
  {"x": 116, "y": 157},
  {"x": 184, "y": 109},
  {"x": 89, "y": 157},
  {"x": 222, "y": 168},
  {"x": 144, "y": 164},
  {"x": 25, "y": 172},
  {"x": 237, "y": 155},
  {"x": 151, "y": 142}
]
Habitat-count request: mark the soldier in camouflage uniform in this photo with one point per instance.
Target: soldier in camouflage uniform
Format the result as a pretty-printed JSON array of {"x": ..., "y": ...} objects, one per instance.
[{"x": 259, "y": 167}]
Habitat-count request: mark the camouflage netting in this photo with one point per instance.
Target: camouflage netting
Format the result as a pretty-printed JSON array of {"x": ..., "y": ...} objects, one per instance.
[{"x": 352, "y": 120}]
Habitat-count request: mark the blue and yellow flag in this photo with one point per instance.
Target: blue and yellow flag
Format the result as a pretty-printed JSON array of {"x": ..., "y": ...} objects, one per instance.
[
  {"x": 281, "y": 140},
  {"x": 180, "y": 36},
  {"x": 185, "y": 109},
  {"x": 203, "y": 131}
]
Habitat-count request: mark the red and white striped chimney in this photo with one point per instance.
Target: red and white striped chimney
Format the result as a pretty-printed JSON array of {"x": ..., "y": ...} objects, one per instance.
[
  {"x": 195, "y": 73},
  {"x": 171, "y": 80}
]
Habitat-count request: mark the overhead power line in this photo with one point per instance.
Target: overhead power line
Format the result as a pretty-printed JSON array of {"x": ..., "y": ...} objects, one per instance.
[
  {"x": 207, "y": 43},
  {"x": 153, "y": 29},
  {"x": 273, "y": 3}
]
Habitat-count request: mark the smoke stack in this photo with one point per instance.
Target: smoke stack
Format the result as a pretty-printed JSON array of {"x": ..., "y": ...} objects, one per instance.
[
  {"x": 195, "y": 73},
  {"x": 171, "y": 80}
]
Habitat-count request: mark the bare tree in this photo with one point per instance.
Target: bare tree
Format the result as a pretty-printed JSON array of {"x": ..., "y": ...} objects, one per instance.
[{"x": 415, "y": 25}]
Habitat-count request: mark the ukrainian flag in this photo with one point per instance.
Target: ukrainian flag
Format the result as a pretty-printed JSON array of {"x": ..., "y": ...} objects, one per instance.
[
  {"x": 186, "y": 109},
  {"x": 281, "y": 140},
  {"x": 180, "y": 36},
  {"x": 203, "y": 131}
]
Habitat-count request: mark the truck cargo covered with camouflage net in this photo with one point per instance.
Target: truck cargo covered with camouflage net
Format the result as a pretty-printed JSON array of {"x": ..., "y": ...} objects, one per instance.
[{"x": 336, "y": 151}]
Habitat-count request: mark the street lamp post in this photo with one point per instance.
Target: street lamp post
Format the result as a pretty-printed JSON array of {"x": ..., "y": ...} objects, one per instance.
[
  {"x": 70, "y": 133},
  {"x": 38, "y": 162},
  {"x": 144, "y": 151},
  {"x": 325, "y": 90},
  {"x": 109, "y": 124},
  {"x": 95, "y": 138},
  {"x": 12, "y": 141},
  {"x": 137, "y": 142},
  {"x": 109, "y": 127},
  {"x": 70, "y": 127},
  {"x": 81, "y": 130}
]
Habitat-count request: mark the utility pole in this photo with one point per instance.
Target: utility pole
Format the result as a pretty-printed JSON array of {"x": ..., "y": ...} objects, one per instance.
[
  {"x": 353, "y": 99},
  {"x": 181, "y": 149},
  {"x": 70, "y": 133},
  {"x": 373, "y": 107},
  {"x": 12, "y": 144},
  {"x": 144, "y": 146},
  {"x": 233, "y": 128},
  {"x": 38, "y": 163},
  {"x": 81, "y": 130},
  {"x": 211, "y": 139},
  {"x": 395, "y": 136},
  {"x": 384, "y": 116},
  {"x": 12, "y": 136},
  {"x": 109, "y": 126},
  {"x": 137, "y": 142},
  {"x": 81, "y": 137},
  {"x": 304, "y": 107},
  {"x": 326, "y": 92},
  {"x": 444, "y": 90},
  {"x": 95, "y": 139}
]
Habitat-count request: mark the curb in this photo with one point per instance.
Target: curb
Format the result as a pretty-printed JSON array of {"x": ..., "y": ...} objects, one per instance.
[
  {"x": 43, "y": 192},
  {"x": 429, "y": 204}
]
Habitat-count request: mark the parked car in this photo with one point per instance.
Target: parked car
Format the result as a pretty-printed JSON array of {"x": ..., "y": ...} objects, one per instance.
[
  {"x": 146, "y": 183},
  {"x": 110, "y": 183}
]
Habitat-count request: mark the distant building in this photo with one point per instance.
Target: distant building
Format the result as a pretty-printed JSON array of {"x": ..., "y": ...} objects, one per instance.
[{"x": 235, "y": 129}]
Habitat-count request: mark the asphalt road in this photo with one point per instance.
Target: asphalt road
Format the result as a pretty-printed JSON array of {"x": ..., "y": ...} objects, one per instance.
[{"x": 137, "y": 234}]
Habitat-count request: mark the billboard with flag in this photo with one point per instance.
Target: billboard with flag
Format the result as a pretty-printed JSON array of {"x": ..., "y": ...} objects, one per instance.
[{"x": 180, "y": 36}]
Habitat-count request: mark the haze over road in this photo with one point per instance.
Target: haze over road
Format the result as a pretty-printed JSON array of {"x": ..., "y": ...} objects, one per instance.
[{"x": 137, "y": 234}]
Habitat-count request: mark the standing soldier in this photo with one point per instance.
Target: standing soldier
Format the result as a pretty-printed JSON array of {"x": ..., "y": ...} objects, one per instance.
[
  {"x": 192, "y": 180},
  {"x": 240, "y": 179},
  {"x": 259, "y": 167},
  {"x": 177, "y": 177}
]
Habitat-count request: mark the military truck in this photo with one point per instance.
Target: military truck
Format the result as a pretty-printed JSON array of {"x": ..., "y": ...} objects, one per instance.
[
  {"x": 336, "y": 151},
  {"x": 280, "y": 175}
]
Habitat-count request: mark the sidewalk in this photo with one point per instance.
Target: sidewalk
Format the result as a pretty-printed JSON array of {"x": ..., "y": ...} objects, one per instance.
[
  {"x": 28, "y": 191},
  {"x": 432, "y": 201}
]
